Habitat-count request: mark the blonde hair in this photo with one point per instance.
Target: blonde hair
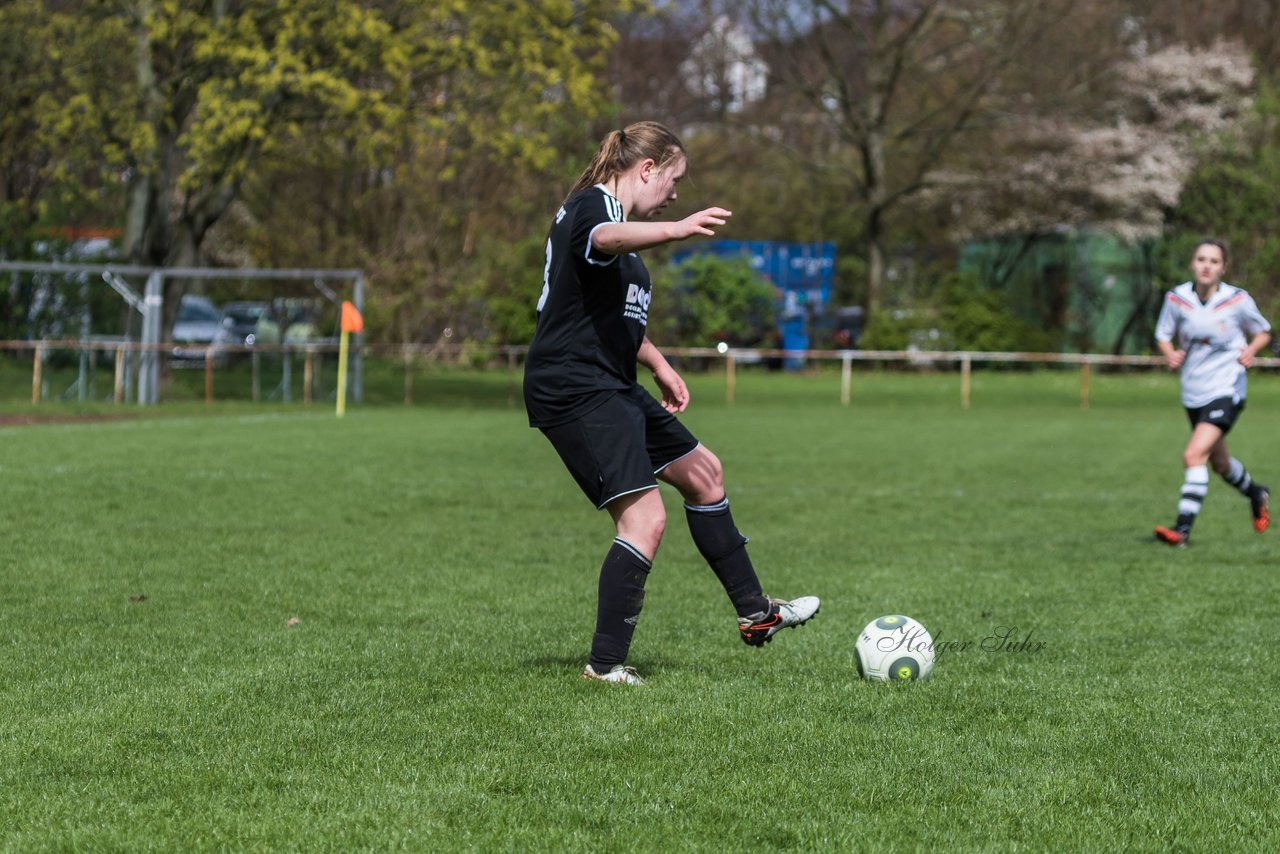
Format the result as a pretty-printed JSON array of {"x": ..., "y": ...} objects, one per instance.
[{"x": 622, "y": 149}]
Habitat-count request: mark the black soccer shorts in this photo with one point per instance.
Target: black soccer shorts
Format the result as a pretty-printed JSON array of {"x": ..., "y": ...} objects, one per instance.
[
  {"x": 620, "y": 446},
  {"x": 1221, "y": 413}
]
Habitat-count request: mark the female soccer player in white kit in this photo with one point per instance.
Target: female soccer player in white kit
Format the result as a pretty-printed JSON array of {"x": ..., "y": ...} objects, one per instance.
[{"x": 1211, "y": 331}]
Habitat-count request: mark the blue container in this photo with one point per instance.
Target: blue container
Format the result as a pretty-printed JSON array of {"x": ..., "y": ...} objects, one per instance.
[{"x": 802, "y": 275}]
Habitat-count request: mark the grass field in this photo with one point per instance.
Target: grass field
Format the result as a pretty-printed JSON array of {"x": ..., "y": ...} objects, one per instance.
[{"x": 440, "y": 566}]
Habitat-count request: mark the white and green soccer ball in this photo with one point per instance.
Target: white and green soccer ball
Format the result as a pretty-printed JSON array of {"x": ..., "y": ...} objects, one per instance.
[{"x": 894, "y": 648}]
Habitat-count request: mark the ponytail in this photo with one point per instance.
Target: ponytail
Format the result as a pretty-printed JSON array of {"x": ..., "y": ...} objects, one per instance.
[{"x": 622, "y": 149}]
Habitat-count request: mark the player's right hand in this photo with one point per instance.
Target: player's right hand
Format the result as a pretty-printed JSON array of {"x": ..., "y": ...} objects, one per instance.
[
  {"x": 703, "y": 222},
  {"x": 675, "y": 394},
  {"x": 1174, "y": 360}
]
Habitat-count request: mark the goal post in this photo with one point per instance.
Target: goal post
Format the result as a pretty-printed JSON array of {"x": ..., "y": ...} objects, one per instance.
[{"x": 152, "y": 305}]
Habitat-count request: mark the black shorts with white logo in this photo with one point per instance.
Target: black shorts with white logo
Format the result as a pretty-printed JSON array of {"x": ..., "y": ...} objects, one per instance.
[
  {"x": 620, "y": 446},
  {"x": 1221, "y": 413}
]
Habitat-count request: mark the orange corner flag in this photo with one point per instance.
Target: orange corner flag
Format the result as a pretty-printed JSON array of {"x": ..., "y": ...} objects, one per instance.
[{"x": 351, "y": 319}]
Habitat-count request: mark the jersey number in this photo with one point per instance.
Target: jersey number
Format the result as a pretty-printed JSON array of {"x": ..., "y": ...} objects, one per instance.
[{"x": 546, "y": 279}]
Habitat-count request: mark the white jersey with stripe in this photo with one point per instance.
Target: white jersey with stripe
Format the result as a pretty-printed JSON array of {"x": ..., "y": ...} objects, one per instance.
[{"x": 1211, "y": 335}]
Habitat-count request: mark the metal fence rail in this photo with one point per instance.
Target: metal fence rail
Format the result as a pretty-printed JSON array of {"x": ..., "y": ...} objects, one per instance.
[{"x": 124, "y": 356}]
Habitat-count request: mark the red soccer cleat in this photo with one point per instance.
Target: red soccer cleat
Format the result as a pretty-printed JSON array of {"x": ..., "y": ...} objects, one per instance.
[
  {"x": 1172, "y": 537},
  {"x": 1258, "y": 502}
]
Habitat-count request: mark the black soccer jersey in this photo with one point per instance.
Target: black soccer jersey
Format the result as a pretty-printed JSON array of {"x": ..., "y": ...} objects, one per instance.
[{"x": 591, "y": 316}]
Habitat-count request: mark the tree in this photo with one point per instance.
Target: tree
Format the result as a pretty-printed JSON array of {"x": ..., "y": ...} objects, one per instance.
[
  {"x": 401, "y": 109},
  {"x": 59, "y": 162},
  {"x": 471, "y": 172},
  {"x": 220, "y": 84},
  {"x": 892, "y": 87},
  {"x": 1235, "y": 195},
  {"x": 1120, "y": 169},
  {"x": 1200, "y": 25}
]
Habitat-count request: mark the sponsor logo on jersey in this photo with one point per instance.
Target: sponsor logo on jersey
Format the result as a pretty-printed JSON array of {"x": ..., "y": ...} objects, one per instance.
[{"x": 637, "y": 307}]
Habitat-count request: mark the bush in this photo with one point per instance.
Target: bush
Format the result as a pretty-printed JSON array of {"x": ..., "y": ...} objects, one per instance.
[
  {"x": 975, "y": 318},
  {"x": 964, "y": 315},
  {"x": 707, "y": 299},
  {"x": 888, "y": 330}
]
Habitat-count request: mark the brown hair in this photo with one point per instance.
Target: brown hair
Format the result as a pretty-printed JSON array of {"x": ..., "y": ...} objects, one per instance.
[
  {"x": 1213, "y": 241},
  {"x": 622, "y": 149}
]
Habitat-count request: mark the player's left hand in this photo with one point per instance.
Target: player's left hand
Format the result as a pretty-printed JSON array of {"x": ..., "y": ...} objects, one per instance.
[
  {"x": 675, "y": 394},
  {"x": 1246, "y": 358}
]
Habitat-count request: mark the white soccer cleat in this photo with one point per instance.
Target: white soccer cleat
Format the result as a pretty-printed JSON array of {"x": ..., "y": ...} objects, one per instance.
[
  {"x": 619, "y": 674},
  {"x": 759, "y": 629}
]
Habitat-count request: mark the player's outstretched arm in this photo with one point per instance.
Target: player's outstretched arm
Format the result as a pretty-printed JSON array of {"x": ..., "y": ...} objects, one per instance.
[
  {"x": 675, "y": 394},
  {"x": 619, "y": 238}
]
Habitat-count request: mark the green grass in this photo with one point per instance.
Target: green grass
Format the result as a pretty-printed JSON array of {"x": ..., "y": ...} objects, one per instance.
[{"x": 441, "y": 566}]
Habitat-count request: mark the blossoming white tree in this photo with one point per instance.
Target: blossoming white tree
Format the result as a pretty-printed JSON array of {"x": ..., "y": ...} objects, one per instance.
[{"x": 1119, "y": 169}]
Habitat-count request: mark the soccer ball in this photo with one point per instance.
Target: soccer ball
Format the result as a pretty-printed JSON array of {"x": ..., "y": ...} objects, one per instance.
[{"x": 894, "y": 648}]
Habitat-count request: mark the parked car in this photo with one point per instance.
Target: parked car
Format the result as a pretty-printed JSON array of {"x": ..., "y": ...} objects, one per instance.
[
  {"x": 197, "y": 328},
  {"x": 297, "y": 316},
  {"x": 244, "y": 322}
]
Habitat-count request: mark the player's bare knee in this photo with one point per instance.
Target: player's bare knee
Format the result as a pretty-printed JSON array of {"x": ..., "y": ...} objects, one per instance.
[
  {"x": 703, "y": 492},
  {"x": 644, "y": 529},
  {"x": 715, "y": 477},
  {"x": 656, "y": 525},
  {"x": 709, "y": 485}
]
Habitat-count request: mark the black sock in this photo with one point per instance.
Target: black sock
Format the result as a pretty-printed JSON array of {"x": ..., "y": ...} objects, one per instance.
[
  {"x": 725, "y": 549},
  {"x": 618, "y": 604}
]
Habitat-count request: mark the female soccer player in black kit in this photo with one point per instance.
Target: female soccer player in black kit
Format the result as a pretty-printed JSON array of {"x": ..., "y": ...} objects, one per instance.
[{"x": 616, "y": 439}]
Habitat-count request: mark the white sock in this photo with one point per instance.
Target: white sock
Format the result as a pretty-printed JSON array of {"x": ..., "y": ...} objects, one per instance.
[{"x": 1195, "y": 485}]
